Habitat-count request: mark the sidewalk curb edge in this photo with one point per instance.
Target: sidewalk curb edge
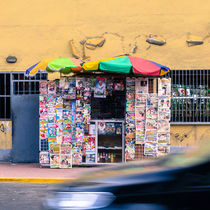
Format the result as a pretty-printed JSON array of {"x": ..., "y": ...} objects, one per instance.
[{"x": 35, "y": 180}]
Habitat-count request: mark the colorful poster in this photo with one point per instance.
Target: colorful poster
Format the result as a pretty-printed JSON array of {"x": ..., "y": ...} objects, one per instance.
[
  {"x": 110, "y": 128},
  {"x": 151, "y": 124},
  {"x": 151, "y": 112},
  {"x": 164, "y": 114},
  {"x": 150, "y": 149},
  {"x": 101, "y": 128},
  {"x": 54, "y": 160},
  {"x": 51, "y": 88},
  {"x": 43, "y": 87},
  {"x": 164, "y": 86},
  {"x": 90, "y": 156},
  {"x": 100, "y": 89},
  {"x": 44, "y": 158},
  {"x": 140, "y": 136},
  {"x": 163, "y": 126},
  {"x": 141, "y": 85},
  {"x": 164, "y": 102},
  {"x": 65, "y": 161},
  {"x": 76, "y": 156},
  {"x": 163, "y": 138},
  {"x": 130, "y": 151},
  {"x": 141, "y": 100}
]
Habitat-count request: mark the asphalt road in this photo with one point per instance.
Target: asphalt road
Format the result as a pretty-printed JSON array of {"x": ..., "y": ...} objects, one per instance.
[{"x": 21, "y": 196}]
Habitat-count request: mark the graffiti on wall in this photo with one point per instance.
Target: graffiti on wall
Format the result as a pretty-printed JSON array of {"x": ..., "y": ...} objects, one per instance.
[{"x": 5, "y": 135}]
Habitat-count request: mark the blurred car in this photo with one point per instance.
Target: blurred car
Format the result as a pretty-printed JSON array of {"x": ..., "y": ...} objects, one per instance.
[{"x": 179, "y": 181}]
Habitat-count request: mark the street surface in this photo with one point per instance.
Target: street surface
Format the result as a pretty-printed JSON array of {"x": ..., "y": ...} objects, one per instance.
[{"x": 23, "y": 196}]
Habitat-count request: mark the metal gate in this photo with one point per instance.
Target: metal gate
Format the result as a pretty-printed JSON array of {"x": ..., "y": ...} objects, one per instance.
[{"x": 25, "y": 117}]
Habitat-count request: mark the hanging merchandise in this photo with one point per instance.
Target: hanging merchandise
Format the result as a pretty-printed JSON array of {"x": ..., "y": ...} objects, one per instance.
[
  {"x": 51, "y": 88},
  {"x": 100, "y": 88},
  {"x": 44, "y": 158},
  {"x": 43, "y": 87},
  {"x": 130, "y": 119},
  {"x": 54, "y": 155},
  {"x": 151, "y": 125},
  {"x": 164, "y": 104},
  {"x": 65, "y": 156}
]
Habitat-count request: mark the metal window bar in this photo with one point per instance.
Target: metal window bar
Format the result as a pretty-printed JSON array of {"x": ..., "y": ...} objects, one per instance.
[
  {"x": 5, "y": 96},
  {"x": 193, "y": 109},
  {"x": 27, "y": 85}
]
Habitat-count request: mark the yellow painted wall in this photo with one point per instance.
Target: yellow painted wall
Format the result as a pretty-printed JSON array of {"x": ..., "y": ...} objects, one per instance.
[
  {"x": 187, "y": 135},
  {"x": 35, "y": 29},
  {"x": 5, "y": 135}
]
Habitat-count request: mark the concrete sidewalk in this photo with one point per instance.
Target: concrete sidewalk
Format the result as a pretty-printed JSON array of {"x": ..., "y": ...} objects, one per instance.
[{"x": 31, "y": 172}]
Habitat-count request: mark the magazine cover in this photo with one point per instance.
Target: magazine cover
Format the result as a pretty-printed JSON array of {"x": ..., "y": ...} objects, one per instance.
[
  {"x": 152, "y": 112},
  {"x": 163, "y": 138},
  {"x": 164, "y": 102},
  {"x": 130, "y": 96},
  {"x": 54, "y": 160},
  {"x": 43, "y": 111},
  {"x": 163, "y": 126},
  {"x": 90, "y": 156},
  {"x": 140, "y": 113},
  {"x": 59, "y": 115},
  {"x": 152, "y": 100},
  {"x": 51, "y": 88},
  {"x": 66, "y": 139},
  {"x": 101, "y": 128},
  {"x": 100, "y": 89},
  {"x": 140, "y": 137},
  {"x": 43, "y": 101},
  {"x": 54, "y": 148},
  {"x": 151, "y": 136},
  {"x": 130, "y": 133},
  {"x": 164, "y": 86},
  {"x": 141, "y": 99},
  {"x": 43, "y": 133},
  {"x": 65, "y": 149},
  {"x": 52, "y": 132},
  {"x": 44, "y": 158},
  {"x": 118, "y": 128},
  {"x": 164, "y": 114},
  {"x": 76, "y": 156},
  {"x": 130, "y": 83},
  {"x": 59, "y": 138},
  {"x": 141, "y": 85},
  {"x": 130, "y": 151},
  {"x": 150, "y": 149},
  {"x": 130, "y": 119},
  {"x": 51, "y": 101},
  {"x": 151, "y": 124},
  {"x": 59, "y": 102},
  {"x": 130, "y": 106},
  {"x": 80, "y": 83},
  {"x": 140, "y": 125},
  {"x": 72, "y": 89},
  {"x": 43, "y": 87},
  {"x": 66, "y": 161},
  {"x": 51, "y": 118},
  {"x": 110, "y": 128}
]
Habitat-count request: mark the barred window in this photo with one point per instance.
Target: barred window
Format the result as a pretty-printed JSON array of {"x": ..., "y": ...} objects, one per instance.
[
  {"x": 27, "y": 85},
  {"x": 190, "y": 96},
  {"x": 5, "y": 96}
]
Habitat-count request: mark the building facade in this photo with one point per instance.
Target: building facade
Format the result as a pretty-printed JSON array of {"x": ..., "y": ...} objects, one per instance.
[{"x": 32, "y": 31}]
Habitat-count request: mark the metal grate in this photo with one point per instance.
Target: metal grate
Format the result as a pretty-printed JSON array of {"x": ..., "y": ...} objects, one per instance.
[
  {"x": 5, "y": 96},
  {"x": 190, "y": 96},
  {"x": 27, "y": 85}
]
